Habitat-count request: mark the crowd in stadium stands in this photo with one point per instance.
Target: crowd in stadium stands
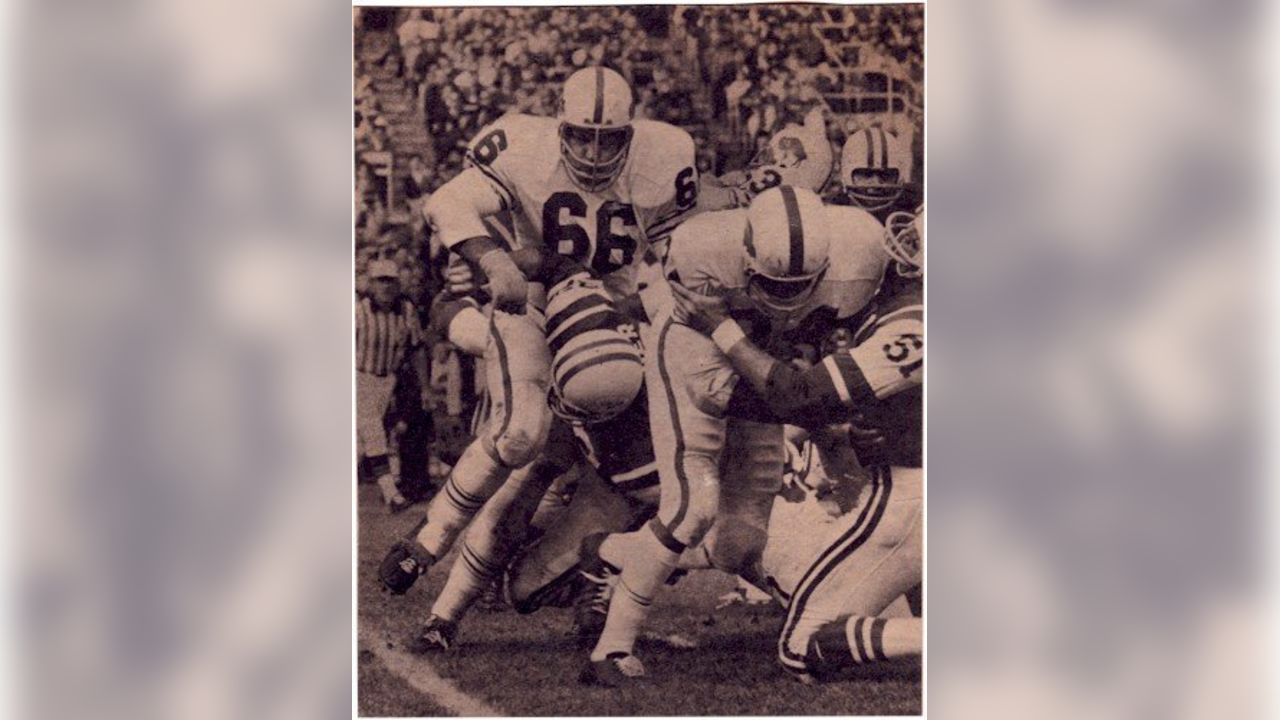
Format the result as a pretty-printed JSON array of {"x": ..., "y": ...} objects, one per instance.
[{"x": 730, "y": 75}]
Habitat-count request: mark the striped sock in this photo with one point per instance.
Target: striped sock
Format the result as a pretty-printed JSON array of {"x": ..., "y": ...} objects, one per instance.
[
  {"x": 475, "y": 478},
  {"x": 874, "y": 639},
  {"x": 468, "y": 578},
  {"x": 644, "y": 569}
]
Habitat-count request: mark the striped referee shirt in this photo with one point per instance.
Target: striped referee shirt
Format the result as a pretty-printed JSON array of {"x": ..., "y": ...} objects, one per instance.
[{"x": 383, "y": 337}]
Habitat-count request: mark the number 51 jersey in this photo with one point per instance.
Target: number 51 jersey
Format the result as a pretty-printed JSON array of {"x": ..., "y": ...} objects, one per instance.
[{"x": 515, "y": 166}]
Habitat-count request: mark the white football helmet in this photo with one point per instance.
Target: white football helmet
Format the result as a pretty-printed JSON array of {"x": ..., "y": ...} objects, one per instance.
[
  {"x": 904, "y": 241},
  {"x": 597, "y": 369},
  {"x": 788, "y": 244},
  {"x": 875, "y": 167},
  {"x": 799, "y": 155},
  {"x": 596, "y": 110}
]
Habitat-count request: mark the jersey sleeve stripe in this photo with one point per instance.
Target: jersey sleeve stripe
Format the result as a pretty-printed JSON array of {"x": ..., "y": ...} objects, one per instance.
[
  {"x": 504, "y": 194},
  {"x": 855, "y": 382},
  {"x": 665, "y": 228},
  {"x": 829, "y": 362}
]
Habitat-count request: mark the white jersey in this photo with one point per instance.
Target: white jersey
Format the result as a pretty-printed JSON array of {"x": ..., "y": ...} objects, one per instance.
[
  {"x": 515, "y": 169},
  {"x": 709, "y": 252}
]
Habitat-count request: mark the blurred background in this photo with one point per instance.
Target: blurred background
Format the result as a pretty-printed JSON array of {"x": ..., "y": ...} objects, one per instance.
[{"x": 178, "y": 293}]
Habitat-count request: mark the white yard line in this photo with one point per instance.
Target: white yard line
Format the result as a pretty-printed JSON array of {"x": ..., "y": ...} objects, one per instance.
[{"x": 423, "y": 678}]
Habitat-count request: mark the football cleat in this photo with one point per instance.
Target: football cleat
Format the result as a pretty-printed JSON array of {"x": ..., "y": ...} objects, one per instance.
[
  {"x": 436, "y": 635},
  {"x": 617, "y": 669},
  {"x": 404, "y": 562},
  {"x": 591, "y": 607}
]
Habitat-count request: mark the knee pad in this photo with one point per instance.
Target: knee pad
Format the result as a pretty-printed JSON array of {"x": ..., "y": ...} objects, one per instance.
[
  {"x": 701, "y": 502},
  {"x": 519, "y": 441}
]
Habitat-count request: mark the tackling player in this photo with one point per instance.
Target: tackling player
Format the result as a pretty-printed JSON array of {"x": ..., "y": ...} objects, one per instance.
[
  {"x": 874, "y": 555},
  {"x": 593, "y": 184},
  {"x": 789, "y": 267}
]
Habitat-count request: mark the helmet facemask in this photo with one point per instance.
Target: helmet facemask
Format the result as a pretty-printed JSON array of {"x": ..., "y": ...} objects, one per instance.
[
  {"x": 874, "y": 188},
  {"x": 780, "y": 296},
  {"x": 904, "y": 244},
  {"x": 594, "y": 156}
]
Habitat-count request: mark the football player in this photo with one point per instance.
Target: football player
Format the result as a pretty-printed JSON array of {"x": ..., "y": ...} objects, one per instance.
[
  {"x": 789, "y": 267},
  {"x": 593, "y": 184},
  {"x": 876, "y": 167},
  {"x": 596, "y": 395},
  {"x": 875, "y": 554}
]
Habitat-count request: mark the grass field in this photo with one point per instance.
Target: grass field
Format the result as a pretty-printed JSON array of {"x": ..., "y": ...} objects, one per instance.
[{"x": 510, "y": 664}]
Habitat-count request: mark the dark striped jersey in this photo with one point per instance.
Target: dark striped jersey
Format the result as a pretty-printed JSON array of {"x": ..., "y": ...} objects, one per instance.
[
  {"x": 385, "y": 336},
  {"x": 621, "y": 449}
]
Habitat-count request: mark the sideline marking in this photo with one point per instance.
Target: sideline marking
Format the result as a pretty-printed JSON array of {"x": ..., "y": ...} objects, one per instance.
[{"x": 423, "y": 678}]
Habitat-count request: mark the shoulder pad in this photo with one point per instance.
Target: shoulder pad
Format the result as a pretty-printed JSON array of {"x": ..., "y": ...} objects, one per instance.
[
  {"x": 708, "y": 249},
  {"x": 659, "y": 152},
  {"x": 516, "y": 139},
  {"x": 858, "y": 252}
]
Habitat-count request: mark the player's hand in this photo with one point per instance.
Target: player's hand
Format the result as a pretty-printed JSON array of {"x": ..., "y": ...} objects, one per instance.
[
  {"x": 459, "y": 279},
  {"x": 703, "y": 313},
  {"x": 866, "y": 439},
  {"x": 507, "y": 284}
]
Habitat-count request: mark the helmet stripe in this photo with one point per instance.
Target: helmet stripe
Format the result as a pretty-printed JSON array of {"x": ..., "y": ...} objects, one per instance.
[
  {"x": 794, "y": 231},
  {"x": 871, "y": 148},
  {"x": 598, "y": 116},
  {"x": 884, "y": 148}
]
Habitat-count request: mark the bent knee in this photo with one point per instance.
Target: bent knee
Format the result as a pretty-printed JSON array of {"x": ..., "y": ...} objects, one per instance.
[{"x": 518, "y": 447}]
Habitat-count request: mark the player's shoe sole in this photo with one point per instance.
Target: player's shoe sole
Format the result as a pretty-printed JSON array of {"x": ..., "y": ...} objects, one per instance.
[{"x": 614, "y": 671}]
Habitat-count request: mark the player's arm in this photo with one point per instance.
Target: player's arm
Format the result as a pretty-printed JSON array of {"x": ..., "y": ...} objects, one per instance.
[
  {"x": 737, "y": 189},
  {"x": 888, "y": 362},
  {"x": 456, "y": 212}
]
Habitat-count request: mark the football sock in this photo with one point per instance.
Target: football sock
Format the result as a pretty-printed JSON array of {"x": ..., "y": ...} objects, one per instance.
[
  {"x": 865, "y": 639},
  {"x": 468, "y": 578},
  {"x": 387, "y": 484},
  {"x": 494, "y": 534},
  {"x": 475, "y": 477},
  {"x": 646, "y": 566}
]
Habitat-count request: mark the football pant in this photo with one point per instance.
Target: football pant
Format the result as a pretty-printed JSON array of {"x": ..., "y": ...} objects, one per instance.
[{"x": 873, "y": 555}]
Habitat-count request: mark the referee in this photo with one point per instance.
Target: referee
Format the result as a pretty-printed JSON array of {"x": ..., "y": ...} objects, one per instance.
[{"x": 387, "y": 331}]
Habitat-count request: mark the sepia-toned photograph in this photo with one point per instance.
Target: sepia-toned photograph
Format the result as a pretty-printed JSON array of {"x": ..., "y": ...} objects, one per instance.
[{"x": 639, "y": 359}]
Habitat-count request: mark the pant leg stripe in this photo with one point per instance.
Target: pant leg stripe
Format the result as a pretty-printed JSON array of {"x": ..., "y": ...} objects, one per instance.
[
  {"x": 675, "y": 426},
  {"x": 665, "y": 537},
  {"x": 505, "y": 368},
  {"x": 837, "y": 553}
]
